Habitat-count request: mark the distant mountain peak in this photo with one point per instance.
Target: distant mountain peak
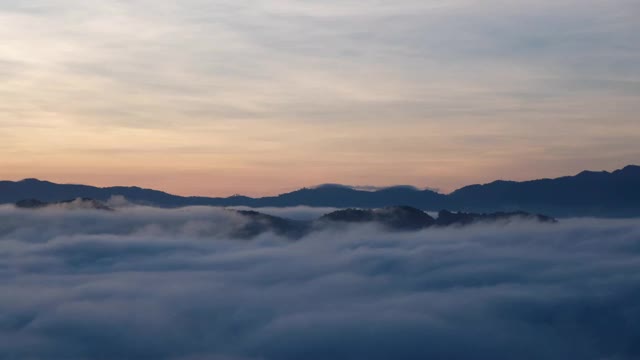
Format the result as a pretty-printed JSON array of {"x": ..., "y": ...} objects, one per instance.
[
  {"x": 401, "y": 187},
  {"x": 368, "y": 188},
  {"x": 330, "y": 187},
  {"x": 32, "y": 180},
  {"x": 631, "y": 169},
  {"x": 592, "y": 173}
]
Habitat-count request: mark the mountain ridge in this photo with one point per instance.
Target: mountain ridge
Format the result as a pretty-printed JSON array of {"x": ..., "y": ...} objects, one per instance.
[
  {"x": 393, "y": 218},
  {"x": 588, "y": 193}
]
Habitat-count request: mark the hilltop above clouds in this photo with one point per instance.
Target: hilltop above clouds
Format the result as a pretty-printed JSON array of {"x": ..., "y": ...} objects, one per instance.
[{"x": 392, "y": 218}]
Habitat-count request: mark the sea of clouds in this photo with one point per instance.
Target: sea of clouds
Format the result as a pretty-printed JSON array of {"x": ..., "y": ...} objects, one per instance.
[{"x": 144, "y": 283}]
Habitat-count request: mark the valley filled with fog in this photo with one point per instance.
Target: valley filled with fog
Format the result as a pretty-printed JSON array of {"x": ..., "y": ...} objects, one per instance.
[{"x": 150, "y": 283}]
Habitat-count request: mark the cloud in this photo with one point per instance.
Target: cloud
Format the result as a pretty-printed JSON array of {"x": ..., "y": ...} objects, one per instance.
[{"x": 170, "y": 284}]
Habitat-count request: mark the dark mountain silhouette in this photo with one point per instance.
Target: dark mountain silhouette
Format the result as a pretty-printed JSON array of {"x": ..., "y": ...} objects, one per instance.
[
  {"x": 343, "y": 196},
  {"x": 589, "y": 193},
  {"x": 393, "y": 218},
  {"x": 258, "y": 223},
  {"x": 607, "y": 194},
  {"x": 11, "y": 192}
]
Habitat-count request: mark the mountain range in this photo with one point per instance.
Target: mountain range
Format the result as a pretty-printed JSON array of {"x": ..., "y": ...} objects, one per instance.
[
  {"x": 589, "y": 193},
  {"x": 392, "y": 218}
]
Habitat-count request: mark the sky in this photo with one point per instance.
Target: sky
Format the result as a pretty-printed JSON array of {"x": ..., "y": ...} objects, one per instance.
[{"x": 264, "y": 96}]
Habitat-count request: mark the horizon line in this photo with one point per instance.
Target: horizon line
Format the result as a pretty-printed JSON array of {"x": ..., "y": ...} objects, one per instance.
[{"x": 352, "y": 187}]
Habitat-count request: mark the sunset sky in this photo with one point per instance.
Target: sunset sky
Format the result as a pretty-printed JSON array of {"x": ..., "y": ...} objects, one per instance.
[{"x": 258, "y": 97}]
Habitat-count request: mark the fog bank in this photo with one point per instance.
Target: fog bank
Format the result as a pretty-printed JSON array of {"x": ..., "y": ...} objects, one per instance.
[{"x": 147, "y": 283}]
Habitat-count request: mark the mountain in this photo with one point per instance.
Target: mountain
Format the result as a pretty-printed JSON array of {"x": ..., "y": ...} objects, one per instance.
[
  {"x": 589, "y": 193},
  {"x": 392, "y": 218},
  {"x": 46, "y": 191},
  {"x": 257, "y": 223},
  {"x": 322, "y": 196},
  {"x": 606, "y": 194},
  {"x": 254, "y": 223},
  {"x": 343, "y": 196}
]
